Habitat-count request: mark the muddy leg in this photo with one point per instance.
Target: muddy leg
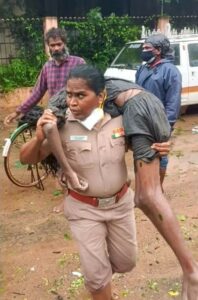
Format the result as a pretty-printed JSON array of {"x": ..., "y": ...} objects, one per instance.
[
  {"x": 150, "y": 199},
  {"x": 190, "y": 285}
]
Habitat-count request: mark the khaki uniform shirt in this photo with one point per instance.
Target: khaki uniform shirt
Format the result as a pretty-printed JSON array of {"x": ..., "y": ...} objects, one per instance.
[{"x": 97, "y": 155}]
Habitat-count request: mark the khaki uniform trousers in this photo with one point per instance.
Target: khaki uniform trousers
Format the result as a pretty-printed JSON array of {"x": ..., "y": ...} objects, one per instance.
[{"x": 106, "y": 238}]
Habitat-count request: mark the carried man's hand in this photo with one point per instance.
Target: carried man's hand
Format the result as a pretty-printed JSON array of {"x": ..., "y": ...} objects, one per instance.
[
  {"x": 162, "y": 148},
  {"x": 46, "y": 118}
]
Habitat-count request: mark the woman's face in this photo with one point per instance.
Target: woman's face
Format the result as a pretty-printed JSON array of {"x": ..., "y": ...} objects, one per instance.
[{"x": 81, "y": 99}]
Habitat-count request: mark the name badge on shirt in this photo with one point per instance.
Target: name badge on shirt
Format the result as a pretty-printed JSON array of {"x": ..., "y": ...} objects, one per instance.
[{"x": 78, "y": 137}]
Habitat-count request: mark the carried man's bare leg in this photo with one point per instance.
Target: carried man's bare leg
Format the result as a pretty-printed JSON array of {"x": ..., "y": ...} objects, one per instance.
[
  {"x": 150, "y": 199},
  {"x": 52, "y": 134}
]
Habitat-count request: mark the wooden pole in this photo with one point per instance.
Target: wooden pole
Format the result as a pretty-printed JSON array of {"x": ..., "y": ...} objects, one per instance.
[
  {"x": 163, "y": 25},
  {"x": 48, "y": 23}
]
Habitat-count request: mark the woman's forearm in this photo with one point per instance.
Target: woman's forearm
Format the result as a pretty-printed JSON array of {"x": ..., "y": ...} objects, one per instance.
[{"x": 33, "y": 151}]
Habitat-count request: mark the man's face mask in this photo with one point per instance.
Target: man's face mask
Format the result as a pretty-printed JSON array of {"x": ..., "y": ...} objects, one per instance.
[{"x": 148, "y": 56}]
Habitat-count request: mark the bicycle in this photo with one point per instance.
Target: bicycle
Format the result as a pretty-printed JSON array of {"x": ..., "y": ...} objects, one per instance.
[{"x": 23, "y": 175}]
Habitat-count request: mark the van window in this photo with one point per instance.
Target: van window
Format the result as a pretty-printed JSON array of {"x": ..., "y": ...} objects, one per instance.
[
  {"x": 193, "y": 54},
  {"x": 129, "y": 58},
  {"x": 176, "y": 49}
]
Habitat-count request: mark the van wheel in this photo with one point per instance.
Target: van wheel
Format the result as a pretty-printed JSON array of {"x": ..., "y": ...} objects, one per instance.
[{"x": 183, "y": 110}]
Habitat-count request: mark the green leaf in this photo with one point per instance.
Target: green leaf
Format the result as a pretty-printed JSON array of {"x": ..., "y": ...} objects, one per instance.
[
  {"x": 19, "y": 165},
  {"x": 57, "y": 193},
  {"x": 67, "y": 236}
]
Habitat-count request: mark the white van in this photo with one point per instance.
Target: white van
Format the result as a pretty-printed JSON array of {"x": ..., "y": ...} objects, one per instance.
[{"x": 186, "y": 59}]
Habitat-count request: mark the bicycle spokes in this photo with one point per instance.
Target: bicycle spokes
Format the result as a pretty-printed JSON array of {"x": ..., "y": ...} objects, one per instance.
[{"x": 24, "y": 175}]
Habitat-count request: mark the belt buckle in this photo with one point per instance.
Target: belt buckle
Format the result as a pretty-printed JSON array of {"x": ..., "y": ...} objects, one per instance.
[{"x": 104, "y": 202}]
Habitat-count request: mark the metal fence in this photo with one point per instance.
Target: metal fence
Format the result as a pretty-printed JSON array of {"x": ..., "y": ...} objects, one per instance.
[
  {"x": 10, "y": 28},
  {"x": 15, "y": 34},
  {"x": 13, "y": 37},
  {"x": 8, "y": 49}
]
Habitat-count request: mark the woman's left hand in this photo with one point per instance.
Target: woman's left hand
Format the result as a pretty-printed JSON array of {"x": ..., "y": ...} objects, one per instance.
[{"x": 162, "y": 148}]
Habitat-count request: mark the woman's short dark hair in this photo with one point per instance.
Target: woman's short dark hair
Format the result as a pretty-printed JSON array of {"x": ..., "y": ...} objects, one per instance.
[
  {"x": 93, "y": 77},
  {"x": 56, "y": 33}
]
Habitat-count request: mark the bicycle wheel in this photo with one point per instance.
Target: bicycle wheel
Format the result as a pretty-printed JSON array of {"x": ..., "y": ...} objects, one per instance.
[{"x": 23, "y": 175}]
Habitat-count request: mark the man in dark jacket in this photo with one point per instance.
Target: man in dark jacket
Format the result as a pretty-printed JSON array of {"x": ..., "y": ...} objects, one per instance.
[{"x": 160, "y": 76}]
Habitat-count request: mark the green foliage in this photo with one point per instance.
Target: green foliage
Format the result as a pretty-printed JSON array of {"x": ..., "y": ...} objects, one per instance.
[
  {"x": 17, "y": 74},
  {"x": 28, "y": 34},
  {"x": 23, "y": 71},
  {"x": 99, "y": 39}
]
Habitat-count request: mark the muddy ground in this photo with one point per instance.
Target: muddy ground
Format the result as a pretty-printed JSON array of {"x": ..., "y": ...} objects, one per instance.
[{"x": 38, "y": 255}]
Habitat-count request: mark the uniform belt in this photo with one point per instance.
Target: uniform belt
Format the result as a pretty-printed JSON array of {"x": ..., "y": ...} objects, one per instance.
[{"x": 100, "y": 202}]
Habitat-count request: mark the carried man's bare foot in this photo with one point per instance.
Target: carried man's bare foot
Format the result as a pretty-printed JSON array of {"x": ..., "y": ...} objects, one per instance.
[
  {"x": 72, "y": 181},
  {"x": 190, "y": 286},
  {"x": 78, "y": 184},
  {"x": 184, "y": 289}
]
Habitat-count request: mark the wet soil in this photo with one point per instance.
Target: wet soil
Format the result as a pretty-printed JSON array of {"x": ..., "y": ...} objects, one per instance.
[{"x": 38, "y": 255}]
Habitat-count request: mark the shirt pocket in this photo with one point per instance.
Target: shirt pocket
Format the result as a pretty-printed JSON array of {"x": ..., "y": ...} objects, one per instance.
[
  {"x": 118, "y": 148},
  {"x": 80, "y": 154}
]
